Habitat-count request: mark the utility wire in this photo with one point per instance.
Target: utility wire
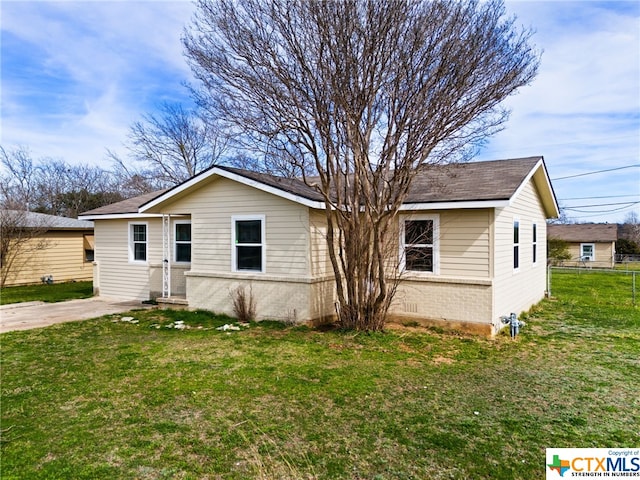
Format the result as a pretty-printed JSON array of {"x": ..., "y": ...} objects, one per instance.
[
  {"x": 604, "y": 196},
  {"x": 602, "y": 211},
  {"x": 602, "y": 204},
  {"x": 599, "y": 171}
]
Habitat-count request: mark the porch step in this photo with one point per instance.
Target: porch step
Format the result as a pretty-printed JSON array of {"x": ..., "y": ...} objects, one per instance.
[{"x": 172, "y": 301}]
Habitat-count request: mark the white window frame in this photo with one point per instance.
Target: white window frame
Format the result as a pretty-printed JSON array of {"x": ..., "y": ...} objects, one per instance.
[
  {"x": 534, "y": 243},
  {"x": 176, "y": 242},
  {"x": 263, "y": 243},
  {"x": 435, "y": 218},
  {"x": 592, "y": 257},
  {"x": 131, "y": 243},
  {"x": 516, "y": 244}
]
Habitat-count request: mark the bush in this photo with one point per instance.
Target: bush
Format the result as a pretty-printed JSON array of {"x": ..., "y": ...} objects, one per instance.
[
  {"x": 627, "y": 247},
  {"x": 244, "y": 305},
  {"x": 557, "y": 251}
]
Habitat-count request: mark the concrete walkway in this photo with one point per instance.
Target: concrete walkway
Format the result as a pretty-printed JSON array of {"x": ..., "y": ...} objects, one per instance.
[{"x": 24, "y": 316}]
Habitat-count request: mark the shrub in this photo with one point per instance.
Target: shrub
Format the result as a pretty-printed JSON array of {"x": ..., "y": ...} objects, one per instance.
[
  {"x": 558, "y": 251},
  {"x": 244, "y": 305}
]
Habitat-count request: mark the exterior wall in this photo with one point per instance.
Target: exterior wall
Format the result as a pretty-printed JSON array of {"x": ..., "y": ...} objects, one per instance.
[
  {"x": 319, "y": 256},
  {"x": 465, "y": 243},
  {"x": 518, "y": 290},
  {"x": 211, "y": 208},
  {"x": 116, "y": 276},
  {"x": 283, "y": 289},
  {"x": 462, "y": 304},
  {"x": 276, "y": 297},
  {"x": 604, "y": 253},
  {"x": 460, "y": 295},
  {"x": 63, "y": 258}
]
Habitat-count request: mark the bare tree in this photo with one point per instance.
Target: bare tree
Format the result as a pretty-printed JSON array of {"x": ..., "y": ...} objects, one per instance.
[
  {"x": 21, "y": 237},
  {"x": 18, "y": 187},
  {"x": 273, "y": 164},
  {"x": 364, "y": 92},
  {"x": 52, "y": 186},
  {"x": 632, "y": 224},
  {"x": 169, "y": 148}
]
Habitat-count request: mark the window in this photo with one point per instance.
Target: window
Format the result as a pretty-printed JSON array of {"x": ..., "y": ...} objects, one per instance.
[
  {"x": 535, "y": 243},
  {"x": 89, "y": 248},
  {"x": 419, "y": 239},
  {"x": 587, "y": 252},
  {"x": 138, "y": 242},
  {"x": 248, "y": 247},
  {"x": 183, "y": 242},
  {"x": 516, "y": 244}
]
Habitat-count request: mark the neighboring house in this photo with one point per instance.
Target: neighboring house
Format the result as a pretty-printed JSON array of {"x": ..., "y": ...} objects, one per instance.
[
  {"x": 227, "y": 227},
  {"x": 590, "y": 244},
  {"x": 54, "y": 249}
]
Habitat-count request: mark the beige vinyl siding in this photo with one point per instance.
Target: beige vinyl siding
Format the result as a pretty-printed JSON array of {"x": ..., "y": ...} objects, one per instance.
[
  {"x": 604, "y": 255},
  {"x": 517, "y": 290},
  {"x": 320, "y": 260},
  {"x": 62, "y": 257},
  {"x": 212, "y": 208},
  {"x": 117, "y": 276},
  {"x": 461, "y": 292},
  {"x": 464, "y": 243}
]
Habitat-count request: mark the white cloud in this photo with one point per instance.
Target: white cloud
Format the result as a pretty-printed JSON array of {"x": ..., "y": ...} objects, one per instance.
[
  {"x": 82, "y": 72},
  {"x": 76, "y": 74},
  {"x": 582, "y": 112}
]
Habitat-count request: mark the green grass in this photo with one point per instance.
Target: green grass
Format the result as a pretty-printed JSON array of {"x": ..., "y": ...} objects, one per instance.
[
  {"x": 105, "y": 398},
  {"x": 628, "y": 266},
  {"x": 56, "y": 292}
]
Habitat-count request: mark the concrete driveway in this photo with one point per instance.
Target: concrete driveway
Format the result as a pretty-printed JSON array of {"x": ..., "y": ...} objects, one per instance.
[{"x": 24, "y": 316}]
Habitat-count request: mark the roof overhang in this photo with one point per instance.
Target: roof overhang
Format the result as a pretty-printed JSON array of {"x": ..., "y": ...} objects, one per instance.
[
  {"x": 474, "y": 204},
  {"x": 119, "y": 216},
  {"x": 541, "y": 180}
]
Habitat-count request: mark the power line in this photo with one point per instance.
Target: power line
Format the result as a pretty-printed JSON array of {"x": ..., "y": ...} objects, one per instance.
[
  {"x": 602, "y": 204},
  {"x": 627, "y": 205},
  {"x": 599, "y": 171},
  {"x": 603, "y": 196}
]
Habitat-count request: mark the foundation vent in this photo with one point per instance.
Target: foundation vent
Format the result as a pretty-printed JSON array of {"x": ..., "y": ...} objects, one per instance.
[{"x": 411, "y": 307}]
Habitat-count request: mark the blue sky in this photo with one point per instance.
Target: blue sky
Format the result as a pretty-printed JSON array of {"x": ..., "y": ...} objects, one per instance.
[{"x": 76, "y": 75}]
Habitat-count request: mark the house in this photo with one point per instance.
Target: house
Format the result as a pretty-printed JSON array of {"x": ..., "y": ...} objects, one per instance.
[
  {"x": 228, "y": 227},
  {"x": 590, "y": 244},
  {"x": 46, "y": 247}
]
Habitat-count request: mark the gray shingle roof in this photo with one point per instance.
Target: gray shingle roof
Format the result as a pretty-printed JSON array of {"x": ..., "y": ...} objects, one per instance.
[
  {"x": 584, "y": 232},
  {"x": 474, "y": 181},
  {"x": 462, "y": 182},
  {"x": 465, "y": 182},
  {"x": 130, "y": 205},
  {"x": 49, "y": 222}
]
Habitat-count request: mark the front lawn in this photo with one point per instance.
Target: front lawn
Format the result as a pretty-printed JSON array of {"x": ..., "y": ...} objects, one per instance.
[
  {"x": 166, "y": 395},
  {"x": 56, "y": 292}
]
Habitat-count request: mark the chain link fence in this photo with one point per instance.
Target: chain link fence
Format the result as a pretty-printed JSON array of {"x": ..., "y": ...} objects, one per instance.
[{"x": 621, "y": 281}]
